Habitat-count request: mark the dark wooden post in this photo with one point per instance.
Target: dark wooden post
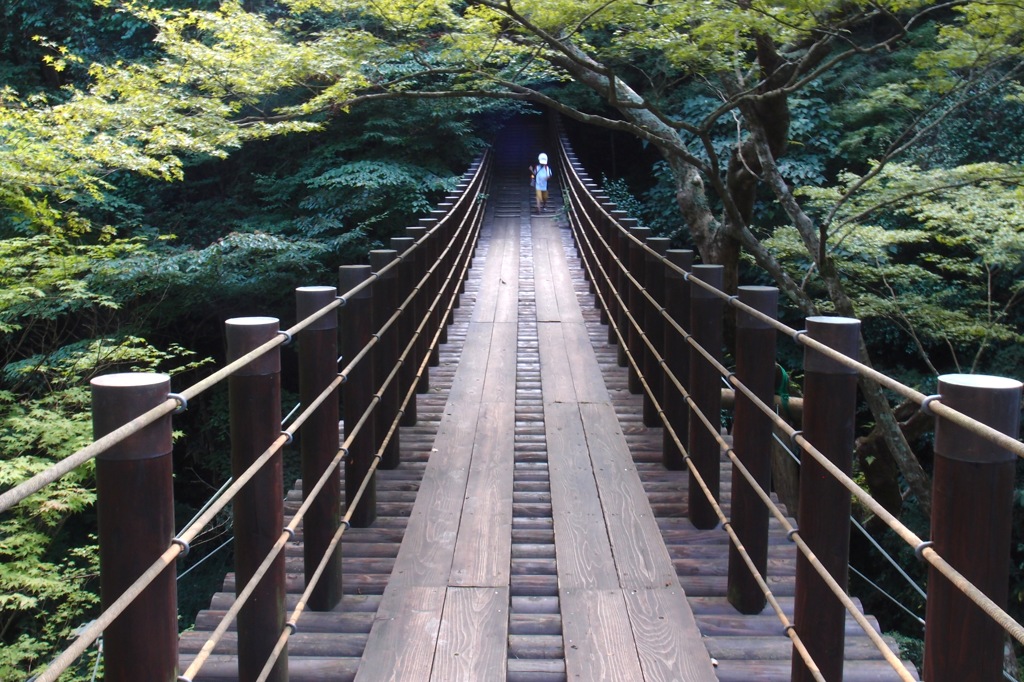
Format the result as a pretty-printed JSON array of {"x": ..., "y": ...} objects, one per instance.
[
  {"x": 318, "y": 442},
  {"x": 254, "y": 397},
  {"x": 385, "y": 299},
  {"x": 654, "y": 282},
  {"x": 677, "y": 360},
  {"x": 623, "y": 226},
  {"x": 421, "y": 304},
  {"x": 434, "y": 248},
  {"x": 610, "y": 282},
  {"x": 357, "y": 393},
  {"x": 972, "y": 509},
  {"x": 135, "y": 505},
  {"x": 600, "y": 259},
  {"x": 637, "y": 307},
  {"x": 706, "y": 389},
  {"x": 406, "y": 327},
  {"x": 830, "y": 403},
  {"x": 752, "y": 442}
]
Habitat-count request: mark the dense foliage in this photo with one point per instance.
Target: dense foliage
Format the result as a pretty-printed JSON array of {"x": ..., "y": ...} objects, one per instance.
[{"x": 165, "y": 166}]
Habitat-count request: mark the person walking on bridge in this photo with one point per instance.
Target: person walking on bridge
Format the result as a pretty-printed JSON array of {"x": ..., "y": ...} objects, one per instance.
[{"x": 539, "y": 175}]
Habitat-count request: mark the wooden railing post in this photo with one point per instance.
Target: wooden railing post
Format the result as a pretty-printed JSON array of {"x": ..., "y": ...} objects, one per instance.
[
  {"x": 357, "y": 394},
  {"x": 654, "y": 282},
  {"x": 318, "y": 442},
  {"x": 706, "y": 389},
  {"x": 637, "y": 308},
  {"x": 602, "y": 240},
  {"x": 610, "y": 283},
  {"x": 135, "y": 505},
  {"x": 830, "y": 403},
  {"x": 621, "y": 283},
  {"x": 385, "y": 302},
  {"x": 420, "y": 265},
  {"x": 254, "y": 397},
  {"x": 677, "y": 360},
  {"x": 434, "y": 248},
  {"x": 406, "y": 326},
  {"x": 752, "y": 442},
  {"x": 972, "y": 510}
]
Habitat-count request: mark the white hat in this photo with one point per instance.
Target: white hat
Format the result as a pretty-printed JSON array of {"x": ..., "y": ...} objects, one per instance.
[{"x": 543, "y": 158}]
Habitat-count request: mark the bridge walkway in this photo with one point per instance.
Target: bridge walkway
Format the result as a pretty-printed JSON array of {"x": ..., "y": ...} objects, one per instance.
[{"x": 530, "y": 532}]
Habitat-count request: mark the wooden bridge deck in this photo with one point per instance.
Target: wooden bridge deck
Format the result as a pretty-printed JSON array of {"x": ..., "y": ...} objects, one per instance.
[{"x": 530, "y": 532}]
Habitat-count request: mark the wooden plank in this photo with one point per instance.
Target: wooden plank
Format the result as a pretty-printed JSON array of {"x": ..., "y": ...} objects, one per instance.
[
  {"x": 641, "y": 557},
  {"x": 426, "y": 554},
  {"x": 586, "y": 374},
  {"x": 506, "y": 307},
  {"x": 473, "y": 641},
  {"x": 667, "y": 637},
  {"x": 469, "y": 379},
  {"x": 404, "y": 634},
  {"x": 484, "y": 545},
  {"x": 599, "y": 644},
  {"x": 780, "y": 648},
  {"x": 487, "y": 296},
  {"x": 500, "y": 379},
  {"x": 581, "y": 539},
  {"x": 543, "y": 281},
  {"x": 563, "y": 286},
  {"x": 555, "y": 371}
]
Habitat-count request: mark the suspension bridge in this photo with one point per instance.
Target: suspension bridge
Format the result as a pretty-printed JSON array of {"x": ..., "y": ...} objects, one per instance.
[{"x": 528, "y": 484}]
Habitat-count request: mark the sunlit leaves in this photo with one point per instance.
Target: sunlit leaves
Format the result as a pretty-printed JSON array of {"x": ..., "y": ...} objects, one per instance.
[{"x": 939, "y": 252}]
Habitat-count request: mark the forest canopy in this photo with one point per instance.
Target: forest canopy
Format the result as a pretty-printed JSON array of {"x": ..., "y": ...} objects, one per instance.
[{"x": 163, "y": 165}]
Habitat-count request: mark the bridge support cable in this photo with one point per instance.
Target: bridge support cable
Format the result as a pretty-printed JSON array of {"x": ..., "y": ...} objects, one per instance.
[
  {"x": 708, "y": 427},
  {"x": 242, "y": 364},
  {"x": 699, "y": 480},
  {"x": 1005, "y": 441},
  {"x": 449, "y": 292},
  {"x": 883, "y": 648}
]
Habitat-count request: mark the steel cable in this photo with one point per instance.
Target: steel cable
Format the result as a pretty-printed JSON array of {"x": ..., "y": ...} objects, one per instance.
[
  {"x": 926, "y": 552},
  {"x": 89, "y": 634},
  {"x": 840, "y": 593}
]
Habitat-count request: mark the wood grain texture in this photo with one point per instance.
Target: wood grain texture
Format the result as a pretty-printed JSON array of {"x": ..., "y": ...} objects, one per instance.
[
  {"x": 498, "y": 298},
  {"x": 499, "y": 384},
  {"x": 667, "y": 637},
  {"x": 487, "y": 298},
  {"x": 544, "y": 283},
  {"x": 473, "y": 641},
  {"x": 555, "y": 370},
  {"x": 484, "y": 546},
  {"x": 641, "y": 557},
  {"x": 599, "y": 644},
  {"x": 581, "y": 539},
  {"x": 404, "y": 634},
  {"x": 548, "y": 241},
  {"x": 426, "y": 554}
]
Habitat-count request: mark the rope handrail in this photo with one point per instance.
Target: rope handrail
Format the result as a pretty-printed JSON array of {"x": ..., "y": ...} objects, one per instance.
[
  {"x": 936, "y": 406},
  {"x": 766, "y": 590},
  {"x": 91, "y": 633},
  {"x": 18, "y": 493},
  {"x": 351, "y": 434},
  {"x": 926, "y": 552},
  {"x": 313, "y": 581}
]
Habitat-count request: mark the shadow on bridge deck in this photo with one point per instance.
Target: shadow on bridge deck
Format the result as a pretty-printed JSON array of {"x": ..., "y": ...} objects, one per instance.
[{"x": 530, "y": 532}]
